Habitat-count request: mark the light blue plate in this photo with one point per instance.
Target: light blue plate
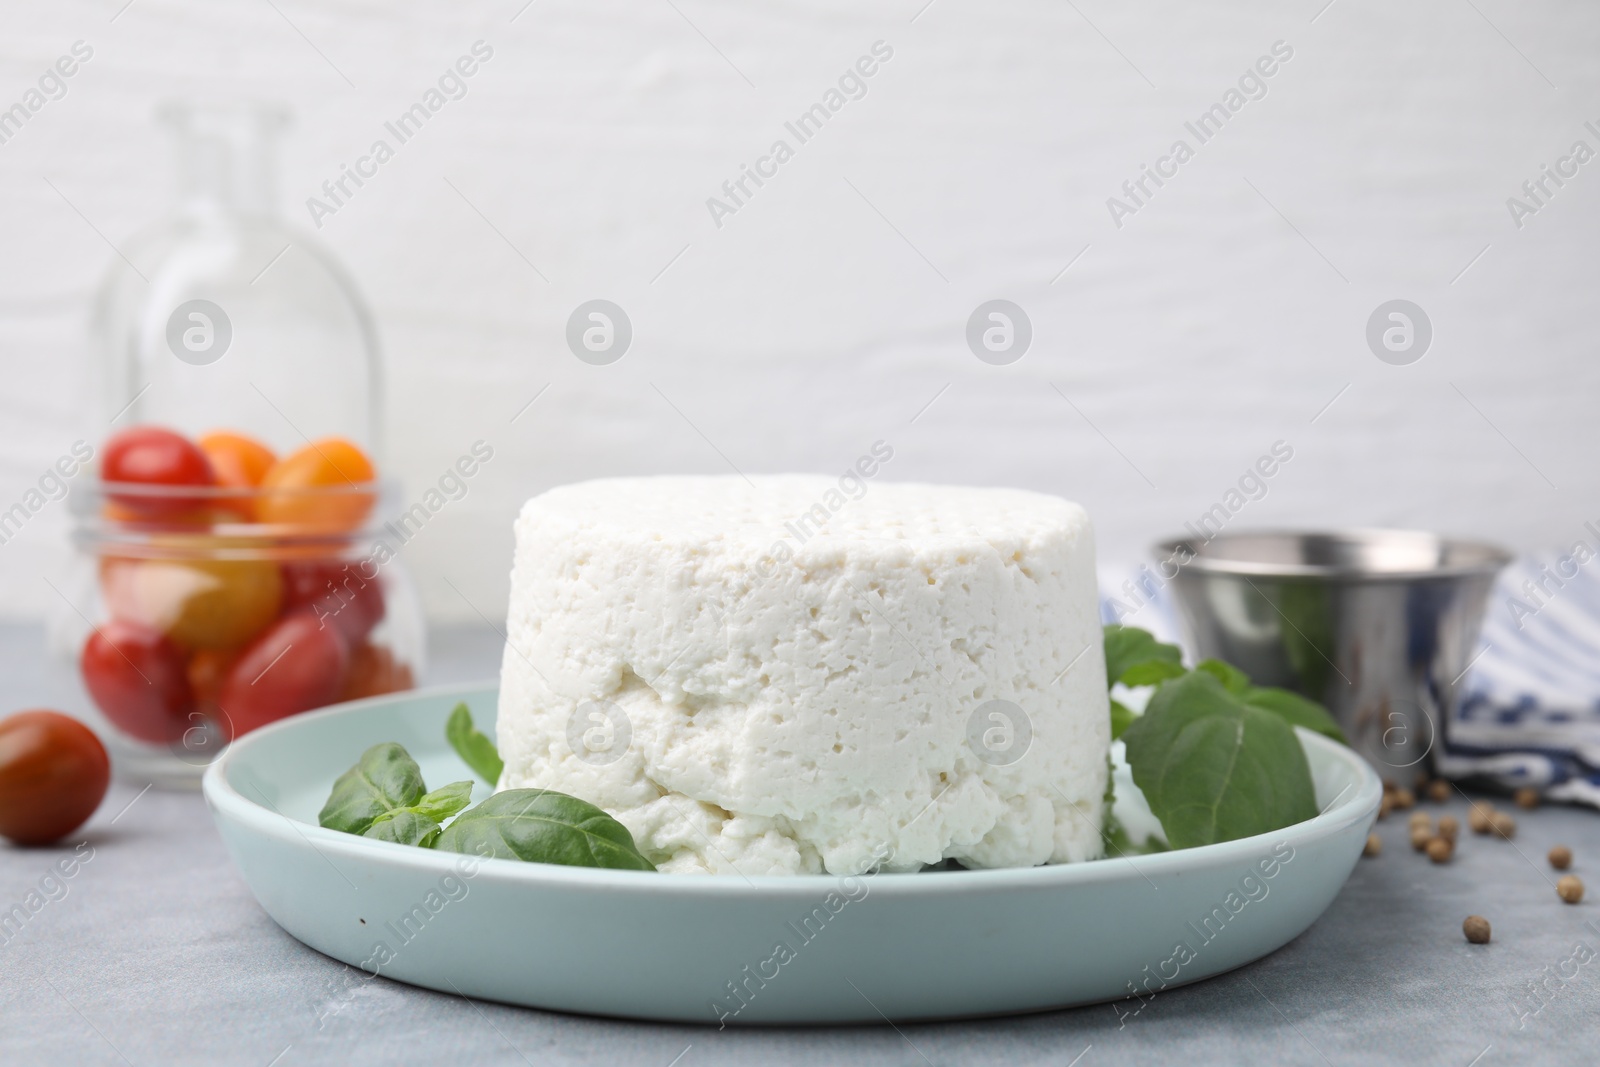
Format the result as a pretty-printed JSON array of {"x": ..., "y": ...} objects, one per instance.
[{"x": 815, "y": 949}]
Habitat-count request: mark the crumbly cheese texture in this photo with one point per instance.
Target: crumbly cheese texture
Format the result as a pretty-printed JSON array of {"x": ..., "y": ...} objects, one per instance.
[{"x": 780, "y": 675}]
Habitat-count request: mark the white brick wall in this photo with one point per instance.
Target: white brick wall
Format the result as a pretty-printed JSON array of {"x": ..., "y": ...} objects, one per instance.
[{"x": 806, "y": 327}]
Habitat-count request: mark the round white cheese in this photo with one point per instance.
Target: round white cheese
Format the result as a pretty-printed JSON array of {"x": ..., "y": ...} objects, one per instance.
[{"x": 796, "y": 674}]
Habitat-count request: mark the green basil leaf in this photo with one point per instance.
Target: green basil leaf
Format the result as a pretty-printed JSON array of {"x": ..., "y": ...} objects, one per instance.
[
  {"x": 445, "y": 801},
  {"x": 405, "y": 827},
  {"x": 1295, "y": 710},
  {"x": 1135, "y": 658},
  {"x": 474, "y": 748},
  {"x": 541, "y": 826},
  {"x": 1121, "y": 843},
  {"x": 384, "y": 780},
  {"x": 1214, "y": 768},
  {"x": 1122, "y": 717},
  {"x": 1232, "y": 678}
]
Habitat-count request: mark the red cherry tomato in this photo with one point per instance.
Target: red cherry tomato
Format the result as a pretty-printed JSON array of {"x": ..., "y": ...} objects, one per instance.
[
  {"x": 149, "y": 455},
  {"x": 53, "y": 774},
  {"x": 295, "y": 666},
  {"x": 336, "y": 594},
  {"x": 138, "y": 678}
]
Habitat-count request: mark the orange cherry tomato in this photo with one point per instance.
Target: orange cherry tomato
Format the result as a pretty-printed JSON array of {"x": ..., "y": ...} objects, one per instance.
[
  {"x": 325, "y": 486},
  {"x": 374, "y": 670},
  {"x": 198, "y": 517},
  {"x": 239, "y": 462},
  {"x": 200, "y": 603}
]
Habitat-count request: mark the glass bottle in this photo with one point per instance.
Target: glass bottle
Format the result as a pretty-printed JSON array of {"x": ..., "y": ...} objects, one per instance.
[
  {"x": 223, "y": 318},
  {"x": 293, "y": 355}
]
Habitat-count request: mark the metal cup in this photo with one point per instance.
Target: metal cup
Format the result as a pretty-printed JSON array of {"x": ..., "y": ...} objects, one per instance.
[{"x": 1377, "y": 625}]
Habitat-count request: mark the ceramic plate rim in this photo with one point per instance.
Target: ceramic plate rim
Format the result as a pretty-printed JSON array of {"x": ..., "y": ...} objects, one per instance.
[{"x": 227, "y": 801}]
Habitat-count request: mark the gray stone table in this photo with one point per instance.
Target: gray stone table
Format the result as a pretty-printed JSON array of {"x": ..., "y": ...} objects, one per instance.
[{"x": 157, "y": 954}]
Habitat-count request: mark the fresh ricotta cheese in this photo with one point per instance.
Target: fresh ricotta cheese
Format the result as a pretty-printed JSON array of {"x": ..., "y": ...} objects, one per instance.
[{"x": 797, "y": 674}]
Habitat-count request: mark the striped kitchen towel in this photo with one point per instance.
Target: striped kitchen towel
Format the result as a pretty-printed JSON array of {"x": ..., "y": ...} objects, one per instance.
[{"x": 1530, "y": 709}]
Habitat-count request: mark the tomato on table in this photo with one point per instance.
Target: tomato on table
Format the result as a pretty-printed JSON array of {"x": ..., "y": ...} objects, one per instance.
[
  {"x": 198, "y": 603},
  {"x": 295, "y": 666},
  {"x": 325, "y": 486},
  {"x": 53, "y": 775},
  {"x": 137, "y": 677},
  {"x": 239, "y": 462},
  {"x": 336, "y": 593},
  {"x": 153, "y": 456}
]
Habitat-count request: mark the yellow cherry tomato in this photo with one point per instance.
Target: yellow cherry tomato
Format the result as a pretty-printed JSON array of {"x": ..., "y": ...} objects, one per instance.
[
  {"x": 200, "y": 603},
  {"x": 328, "y": 485}
]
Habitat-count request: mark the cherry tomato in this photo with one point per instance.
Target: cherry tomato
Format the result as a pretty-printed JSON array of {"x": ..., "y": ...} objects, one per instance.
[
  {"x": 207, "y": 670},
  {"x": 202, "y": 515},
  {"x": 337, "y": 594},
  {"x": 374, "y": 670},
  {"x": 53, "y": 774},
  {"x": 240, "y": 462},
  {"x": 297, "y": 665},
  {"x": 199, "y": 603},
  {"x": 137, "y": 677},
  {"x": 324, "y": 486},
  {"x": 150, "y": 455}
]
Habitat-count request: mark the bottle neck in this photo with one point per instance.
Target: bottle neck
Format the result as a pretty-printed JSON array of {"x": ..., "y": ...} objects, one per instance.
[{"x": 226, "y": 163}]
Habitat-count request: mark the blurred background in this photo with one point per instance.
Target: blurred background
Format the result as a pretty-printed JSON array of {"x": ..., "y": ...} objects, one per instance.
[{"x": 1175, "y": 340}]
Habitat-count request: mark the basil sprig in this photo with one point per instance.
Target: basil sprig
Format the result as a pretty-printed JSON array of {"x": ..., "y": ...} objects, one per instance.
[
  {"x": 1214, "y": 768},
  {"x": 1122, "y": 717},
  {"x": 475, "y": 749},
  {"x": 1295, "y": 710},
  {"x": 1134, "y": 657},
  {"x": 1215, "y": 756},
  {"x": 384, "y": 797},
  {"x": 542, "y": 826}
]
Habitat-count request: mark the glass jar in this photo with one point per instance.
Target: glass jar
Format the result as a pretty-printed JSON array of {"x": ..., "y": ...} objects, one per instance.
[
  {"x": 183, "y": 635},
  {"x": 231, "y": 567}
]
